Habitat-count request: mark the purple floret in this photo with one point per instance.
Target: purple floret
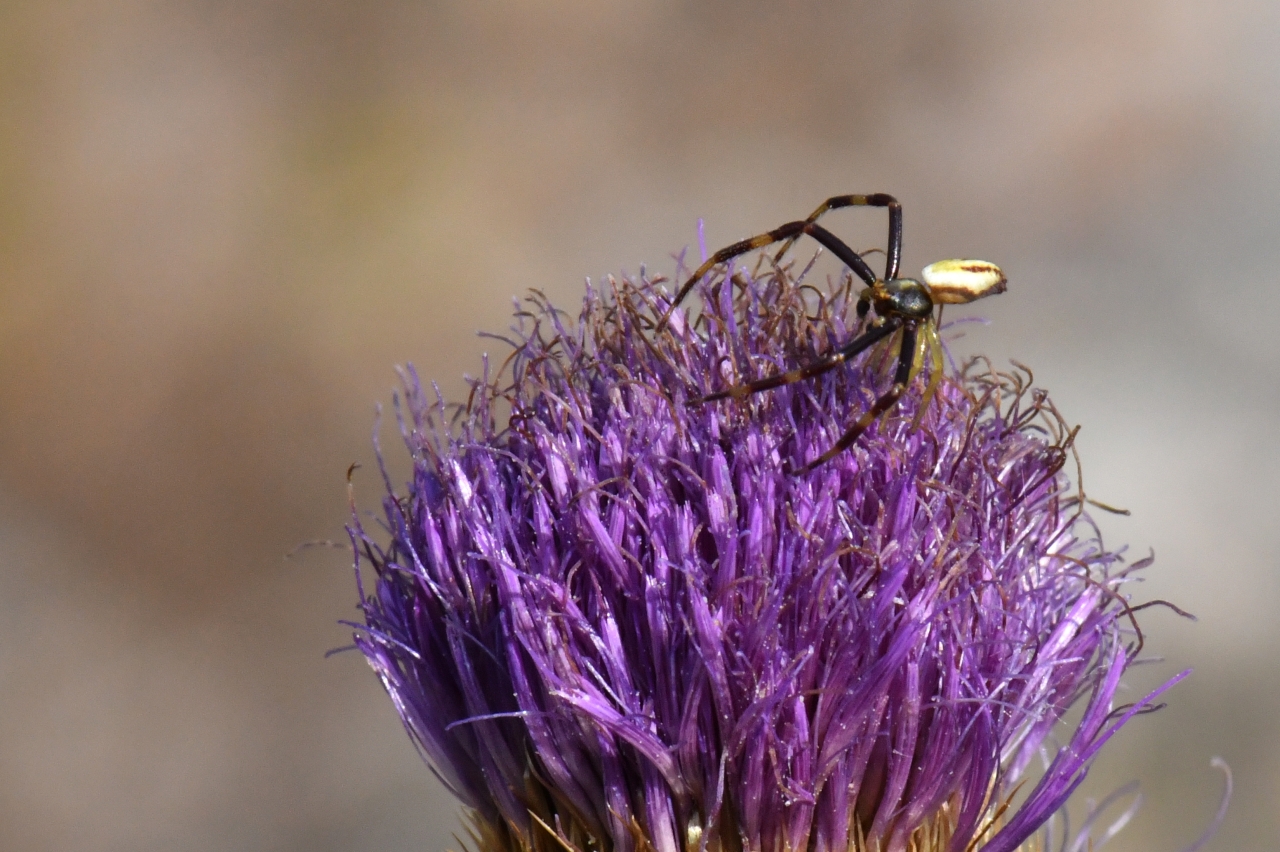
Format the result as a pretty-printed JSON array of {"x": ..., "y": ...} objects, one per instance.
[{"x": 613, "y": 618}]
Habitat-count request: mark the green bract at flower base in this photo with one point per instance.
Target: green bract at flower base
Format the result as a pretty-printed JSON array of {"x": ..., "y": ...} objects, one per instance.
[{"x": 615, "y": 620}]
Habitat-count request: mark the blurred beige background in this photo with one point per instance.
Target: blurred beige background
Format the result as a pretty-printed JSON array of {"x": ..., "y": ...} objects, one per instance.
[{"x": 223, "y": 224}]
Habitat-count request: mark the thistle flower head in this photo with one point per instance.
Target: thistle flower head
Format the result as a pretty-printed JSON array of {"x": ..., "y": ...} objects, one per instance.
[{"x": 614, "y": 619}]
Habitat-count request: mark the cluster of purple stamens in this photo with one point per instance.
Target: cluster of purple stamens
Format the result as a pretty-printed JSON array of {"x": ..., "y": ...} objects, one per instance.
[{"x": 616, "y": 620}]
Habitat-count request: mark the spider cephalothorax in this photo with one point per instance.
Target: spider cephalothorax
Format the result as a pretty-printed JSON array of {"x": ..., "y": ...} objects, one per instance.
[{"x": 901, "y": 304}]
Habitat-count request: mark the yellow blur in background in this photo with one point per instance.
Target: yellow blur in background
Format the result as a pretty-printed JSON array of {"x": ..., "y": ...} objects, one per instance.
[{"x": 223, "y": 224}]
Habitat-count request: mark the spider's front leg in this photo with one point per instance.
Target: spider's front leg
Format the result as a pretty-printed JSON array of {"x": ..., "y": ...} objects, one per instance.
[
  {"x": 791, "y": 231},
  {"x": 906, "y": 355},
  {"x": 893, "y": 252}
]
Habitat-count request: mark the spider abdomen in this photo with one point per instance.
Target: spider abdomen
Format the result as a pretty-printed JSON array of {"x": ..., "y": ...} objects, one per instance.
[{"x": 955, "y": 282}]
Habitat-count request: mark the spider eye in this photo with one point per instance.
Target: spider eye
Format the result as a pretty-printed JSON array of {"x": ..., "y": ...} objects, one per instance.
[{"x": 954, "y": 282}]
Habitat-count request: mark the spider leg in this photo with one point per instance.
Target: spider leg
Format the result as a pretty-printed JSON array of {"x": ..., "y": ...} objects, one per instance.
[
  {"x": 935, "y": 372},
  {"x": 917, "y": 357},
  {"x": 905, "y": 356},
  {"x": 832, "y": 359},
  {"x": 894, "y": 254},
  {"x": 791, "y": 230}
]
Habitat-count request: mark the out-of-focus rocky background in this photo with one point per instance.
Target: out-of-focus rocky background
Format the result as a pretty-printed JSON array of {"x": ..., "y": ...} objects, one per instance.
[{"x": 223, "y": 224}]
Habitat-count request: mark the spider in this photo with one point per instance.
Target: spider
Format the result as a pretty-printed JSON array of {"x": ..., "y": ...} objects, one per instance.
[{"x": 901, "y": 305}]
